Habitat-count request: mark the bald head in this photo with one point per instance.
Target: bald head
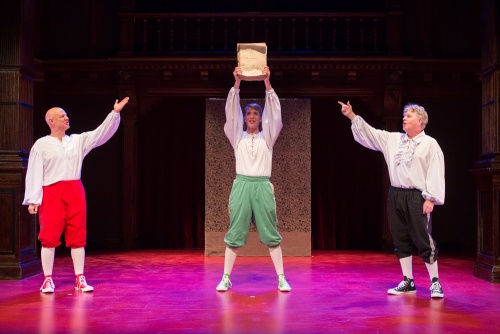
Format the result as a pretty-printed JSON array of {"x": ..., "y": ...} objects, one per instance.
[
  {"x": 51, "y": 113},
  {"x": 57, "y": 119}
]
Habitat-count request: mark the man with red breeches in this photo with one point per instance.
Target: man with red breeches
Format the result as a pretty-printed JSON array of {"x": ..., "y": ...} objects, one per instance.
[{"x": 54, "y": 189}]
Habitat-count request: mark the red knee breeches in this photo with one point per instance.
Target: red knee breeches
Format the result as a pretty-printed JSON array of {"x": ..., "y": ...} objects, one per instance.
[{"x": 63, "y": 209}]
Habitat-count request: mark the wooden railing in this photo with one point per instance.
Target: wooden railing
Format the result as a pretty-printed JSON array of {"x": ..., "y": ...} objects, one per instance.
[{"x": 218, "y": 33}]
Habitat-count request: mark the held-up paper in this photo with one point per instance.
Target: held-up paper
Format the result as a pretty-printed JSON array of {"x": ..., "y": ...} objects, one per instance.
[{"x": 252, "y": 58}]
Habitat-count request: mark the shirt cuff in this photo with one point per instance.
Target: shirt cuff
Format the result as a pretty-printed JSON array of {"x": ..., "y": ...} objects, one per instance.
[{"x": 430, "y": 198}]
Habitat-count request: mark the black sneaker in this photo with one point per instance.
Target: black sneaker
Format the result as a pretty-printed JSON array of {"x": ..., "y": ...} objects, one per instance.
[
  {"x": 406, "y": 286},
  {"x": 436, "y": 289}
]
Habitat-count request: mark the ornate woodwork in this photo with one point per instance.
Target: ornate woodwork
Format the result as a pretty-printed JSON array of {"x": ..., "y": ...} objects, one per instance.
[
  {"x": 487, "y": 169},
  {"x": 18, "y": 244}
]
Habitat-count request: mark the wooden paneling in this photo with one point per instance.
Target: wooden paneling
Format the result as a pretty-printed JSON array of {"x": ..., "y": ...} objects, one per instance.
[
  {"x": 487, "y": 168},
  {"x": 18, "y": 255}
]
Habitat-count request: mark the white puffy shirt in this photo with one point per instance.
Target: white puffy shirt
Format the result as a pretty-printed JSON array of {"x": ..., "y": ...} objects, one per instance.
[
  {"x": 253, "y": 153},
  {"x": 51, "y": 160},
  {"x": 416, "y": 163}
]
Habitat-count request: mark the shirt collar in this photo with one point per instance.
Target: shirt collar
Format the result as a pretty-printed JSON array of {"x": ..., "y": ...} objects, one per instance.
[{"x": 418, "y": 138}]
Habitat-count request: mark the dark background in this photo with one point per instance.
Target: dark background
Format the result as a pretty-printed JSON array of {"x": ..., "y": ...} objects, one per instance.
[{"x": 348, "y": 185}]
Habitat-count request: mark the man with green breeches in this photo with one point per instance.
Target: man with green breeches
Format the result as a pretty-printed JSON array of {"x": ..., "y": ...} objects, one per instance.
[{"x": 252, "y": 194}]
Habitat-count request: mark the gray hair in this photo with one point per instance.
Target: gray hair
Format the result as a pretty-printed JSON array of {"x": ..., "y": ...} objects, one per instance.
[{"x": 419, "y": 111}]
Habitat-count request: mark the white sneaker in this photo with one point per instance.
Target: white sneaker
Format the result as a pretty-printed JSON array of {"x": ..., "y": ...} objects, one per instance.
[
  {"x": 48, "y": 285},
  {"x": 407, "y": 285},
  {"x": 283, "y": 284},
  {"x": 224, "y": 284},
  {"x": 436, "y": 289},
  {"x": 81, "y": 284}
]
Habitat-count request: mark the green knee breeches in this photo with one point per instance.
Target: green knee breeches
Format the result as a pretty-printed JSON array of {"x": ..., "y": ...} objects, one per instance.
[{"x": 252, "y": 199}]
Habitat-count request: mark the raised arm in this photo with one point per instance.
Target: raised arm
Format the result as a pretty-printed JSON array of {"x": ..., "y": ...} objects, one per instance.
[
  {"x": 363, "y": 133},
  {"x": 237, "y": 71},
  {"x": 119, "y": 105},
  {"x": 271, "y": 117},
  {"x": 347, "y": 110},
  {"x": 267, "y": 80},
  {"x": 106, "y": 130},
  {"x": 233, "y": 128}
]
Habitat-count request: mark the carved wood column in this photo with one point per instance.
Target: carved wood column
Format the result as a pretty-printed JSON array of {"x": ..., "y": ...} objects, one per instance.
[
  {"x": 129, "y": 115},
  {"x": 487, "y": 169},
  {"x": 18, "y": 237},
  {"x": 127, "y": 87}
]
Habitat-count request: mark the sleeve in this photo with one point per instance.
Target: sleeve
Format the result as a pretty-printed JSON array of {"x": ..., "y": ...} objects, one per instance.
[
  {"x": 435, "y": 181},
  {"x": 34, "y": 179},
  {"x": 271, "y": 118},
  {"x": 234, "y": 118},
  {"x": 102, "y": 134},
  {"x": 368, "y": 136}
]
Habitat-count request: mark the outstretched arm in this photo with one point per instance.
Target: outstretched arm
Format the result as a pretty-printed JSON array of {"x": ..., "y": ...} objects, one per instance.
[
  {"x": 105, "y": 131},
  {"x": 347, "y": 110},
  {"x": 119, "y": 106},
  {"x": 363, "y": 133}
]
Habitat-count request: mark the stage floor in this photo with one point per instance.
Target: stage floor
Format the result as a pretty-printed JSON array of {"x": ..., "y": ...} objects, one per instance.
[{"x": 165, "y": 291}]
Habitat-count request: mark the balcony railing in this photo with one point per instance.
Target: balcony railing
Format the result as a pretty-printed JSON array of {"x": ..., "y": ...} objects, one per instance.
[{"x": 285, "y": 33}]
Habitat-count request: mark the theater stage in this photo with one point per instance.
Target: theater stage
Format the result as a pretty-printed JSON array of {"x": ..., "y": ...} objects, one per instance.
[{"x": 166, "y": 291}]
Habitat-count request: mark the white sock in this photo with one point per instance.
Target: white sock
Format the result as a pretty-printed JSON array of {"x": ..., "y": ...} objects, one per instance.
[
  {"x": 432, "y": 269},
  {"x": 277, "y": 258},
  {"x": 229, "y": 259},
  {"x": 47, "y": 255},
  {"x": 406, "y": 266},
  {"x": 78, "y": 256}
]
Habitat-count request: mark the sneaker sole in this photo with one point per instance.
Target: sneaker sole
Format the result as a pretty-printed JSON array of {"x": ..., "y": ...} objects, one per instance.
[
  {"x": 47, "y": 291},
  {"x": 400, "y": 292},
  {"x": 437, "y": 295},
  {"x": 85, "y": 289},
  {"x": 221, "y": 289},
  {"x": 285, "y": 290}
]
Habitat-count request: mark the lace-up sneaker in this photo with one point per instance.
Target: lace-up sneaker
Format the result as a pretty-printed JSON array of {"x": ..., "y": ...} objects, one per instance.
[
  {"x": 436, "y": 289},
  {"x": 48, "y": 285},
  {"x": 406, "y": 286},
  {"x": 283, "y": 284},
  {"x": 81, "y": 284},
  {"x": 224, "y": 284}
]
